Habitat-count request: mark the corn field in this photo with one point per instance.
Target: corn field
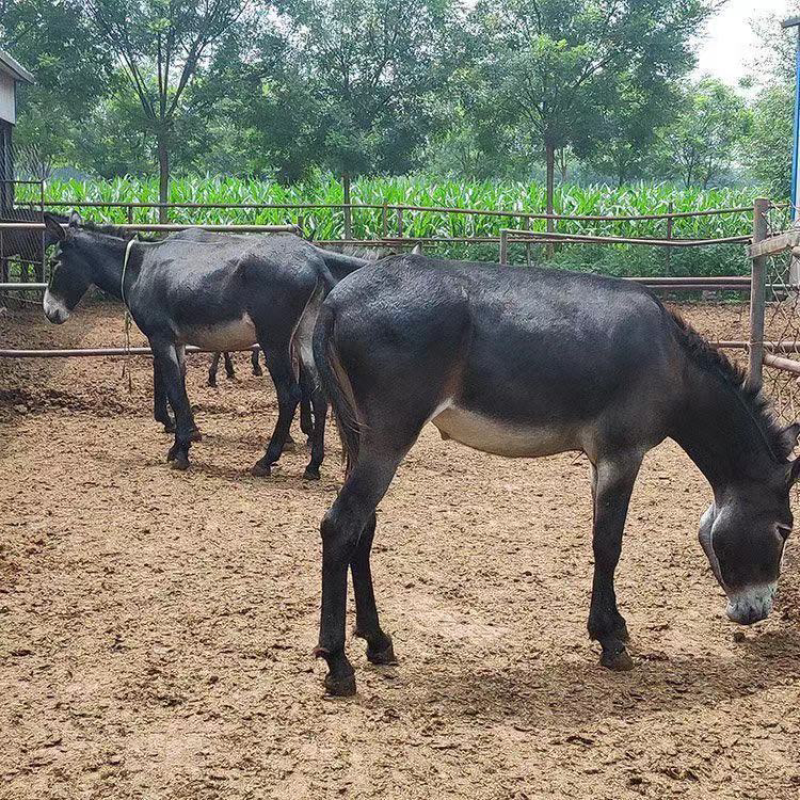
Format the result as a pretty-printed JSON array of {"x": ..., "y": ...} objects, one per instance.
[{"x": 328, "y": 223}]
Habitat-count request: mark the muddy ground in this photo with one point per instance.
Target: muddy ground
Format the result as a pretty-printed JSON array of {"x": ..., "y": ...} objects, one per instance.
[{"x": 156, "y": 627}]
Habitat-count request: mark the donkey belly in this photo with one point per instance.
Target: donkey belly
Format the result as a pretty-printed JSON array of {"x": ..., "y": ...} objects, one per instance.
[
  {"x": 503, "y": 438},
  {"x": 230, "y": 335}
]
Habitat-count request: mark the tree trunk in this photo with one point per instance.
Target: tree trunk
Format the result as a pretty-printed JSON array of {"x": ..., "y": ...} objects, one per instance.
[
  {"x": 163, "y": 177},
  {"x": 550, "y": 153}
]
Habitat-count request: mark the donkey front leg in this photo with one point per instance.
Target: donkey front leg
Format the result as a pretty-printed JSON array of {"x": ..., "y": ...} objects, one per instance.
[
  {"x": 256, "y": 366},
  {"x": 169, "y": 361},
  {"x": 230, "y": 372},
  {"x": 279, "y": 364},
  {"x": 613, "y": 482},
  {"x": 213, "y": 368}
]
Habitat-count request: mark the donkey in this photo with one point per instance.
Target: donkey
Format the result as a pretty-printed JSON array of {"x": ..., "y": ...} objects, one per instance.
[
  {"x": 217, "y": 291},
  {"x": 529, "y": 363},
  {"x": 29, "y": 245}
]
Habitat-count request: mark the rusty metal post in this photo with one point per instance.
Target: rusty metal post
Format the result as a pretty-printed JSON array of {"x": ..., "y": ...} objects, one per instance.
[
  {"x": 670, "y": 223},
  {"x": 348, "y": 211},
  {"x": 758, "y": 296}
]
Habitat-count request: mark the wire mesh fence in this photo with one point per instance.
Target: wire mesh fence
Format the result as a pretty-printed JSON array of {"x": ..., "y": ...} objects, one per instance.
[{"x": 782, "y": 323}]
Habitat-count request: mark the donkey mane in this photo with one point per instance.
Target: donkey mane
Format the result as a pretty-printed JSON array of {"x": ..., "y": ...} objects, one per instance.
[
  {"x": 113, "y": 230},
  {"x": 709, "y": 358}
]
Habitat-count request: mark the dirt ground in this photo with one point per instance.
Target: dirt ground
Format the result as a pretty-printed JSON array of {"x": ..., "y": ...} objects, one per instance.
[{"x": 156, "y": 627}]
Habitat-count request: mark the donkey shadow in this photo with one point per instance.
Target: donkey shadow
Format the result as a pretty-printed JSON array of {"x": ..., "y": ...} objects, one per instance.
[{"x": 570, "y": 695}]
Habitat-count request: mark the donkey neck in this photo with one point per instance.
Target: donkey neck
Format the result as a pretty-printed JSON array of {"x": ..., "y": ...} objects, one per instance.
[
  {"x": 723, "y": 431},
  {"x": 106, "y": 256}
]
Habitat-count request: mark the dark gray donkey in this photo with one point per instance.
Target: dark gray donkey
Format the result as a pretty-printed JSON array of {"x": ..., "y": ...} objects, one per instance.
[
  {"x": 221, "y": 292},
  {"x": 526, "y": 363},
  {"x": 29, "y": 245}
]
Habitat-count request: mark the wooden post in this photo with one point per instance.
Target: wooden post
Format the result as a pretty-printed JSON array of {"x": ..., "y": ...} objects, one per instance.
[
  {"x": 670, "y": 222},
  {"x": 399, "y": 223},
  {"x": 526, "y": 224},
  {"x": 130, "y": 215},
  {"x": 758, "y": 296},
  {"x": 504, "y": 247},
  {"x": 301, "y": 222},
  {"x": 348, "y": 219},
  {"x": 385, "y": 220}
]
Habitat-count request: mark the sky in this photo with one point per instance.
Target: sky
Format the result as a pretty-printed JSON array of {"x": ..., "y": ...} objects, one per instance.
[{"x": 729, "y": 43}]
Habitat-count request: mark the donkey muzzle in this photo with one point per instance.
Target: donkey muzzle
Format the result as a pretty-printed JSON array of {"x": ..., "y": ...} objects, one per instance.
[
  {"x": 752, "y": 604},
  {"x": 55, "y": 309}
]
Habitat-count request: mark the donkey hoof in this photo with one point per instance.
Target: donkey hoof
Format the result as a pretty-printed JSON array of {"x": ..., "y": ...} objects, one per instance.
[
  {"x": 289, "y": 446},
  {"x": 261, "y": 470},
  {"x": 181, "y": 462},
  {"x": 196, "y": 435},
  {"x": 311, "y": 474},
  {"x": 258, "y": 372},
  {"x": 382, "y": 658},
  {"x": 618, "y": 661},
  {"x": 341, "y": 685}
]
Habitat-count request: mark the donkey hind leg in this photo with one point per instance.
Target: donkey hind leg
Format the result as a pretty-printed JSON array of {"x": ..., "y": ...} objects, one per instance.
[
  {"x": 160, "y": 409},
  {"x": 342, "y": 529},
  {"x": 308, "y": 385},
  {"x": 317, "y": 439},
  {"x": 213, "y": 369},
  {"x": 256, "y": 366},
  {"x": 279, "y": 364},
  {"x": 197, "y": 436},
  {"x": 168, "y": 357},
  {"x": 230, "y": 372},
  {"x": 613, "y": 485},
  {"x": 380, "y": 649}
]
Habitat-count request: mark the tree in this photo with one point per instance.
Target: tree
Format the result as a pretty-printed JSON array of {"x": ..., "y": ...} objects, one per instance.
[
  {"x": 551, "y": 68},
  {"x": 704, "y": 139},
  {"x": 357, "y": 83},
  {"x": 162, "y": 46},
  {"x": 55, "y": 40}
]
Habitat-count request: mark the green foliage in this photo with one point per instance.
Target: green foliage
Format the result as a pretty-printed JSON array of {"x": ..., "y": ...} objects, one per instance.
[
  {"x": 327, "y": 223},
  {"x": 707, "y": 131}
]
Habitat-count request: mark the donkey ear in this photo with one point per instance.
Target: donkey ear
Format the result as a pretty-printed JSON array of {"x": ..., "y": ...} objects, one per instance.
[
  {"x": 75, "y": 220},
  {"x": 417, "y": 251},
  {"x": 53, "y": 227}
]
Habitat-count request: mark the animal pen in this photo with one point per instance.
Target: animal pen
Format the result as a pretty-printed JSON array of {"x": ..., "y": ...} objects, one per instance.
[{"x": 770, "y": 332}]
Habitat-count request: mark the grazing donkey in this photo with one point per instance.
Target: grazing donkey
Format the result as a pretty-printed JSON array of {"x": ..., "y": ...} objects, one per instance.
[
  {"x": 216, "y": 291},
  {"x": 527, "y": 363}
]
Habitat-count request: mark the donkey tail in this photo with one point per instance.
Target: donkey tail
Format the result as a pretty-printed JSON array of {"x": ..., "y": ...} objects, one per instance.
[{"x": 336, "y": 385}]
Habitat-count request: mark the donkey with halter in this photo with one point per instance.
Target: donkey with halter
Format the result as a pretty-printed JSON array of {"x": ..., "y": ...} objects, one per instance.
[
  {"x": 217, "y": 291},
  {"x": 529, "y": 363},
  {"x": 29, "y": 245}
]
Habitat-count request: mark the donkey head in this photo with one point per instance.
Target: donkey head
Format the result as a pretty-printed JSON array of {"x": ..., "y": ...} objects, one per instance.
[
  {"x": 72, "y": 275},
  {"x": 744, "y": 534}
]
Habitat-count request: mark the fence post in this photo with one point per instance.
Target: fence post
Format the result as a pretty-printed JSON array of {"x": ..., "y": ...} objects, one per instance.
[
  {"x": 348, "y": 219},
  {"x": 758, "y": 296},
  {"x": 130, "y": 214},
  {"x": 385, "y": 219},
  {"x": 301, "y": 223},
  {"x": 526, "y": 224},
  {"x": 504, "y": 247},
  {"x": 399, "y": 223},
  {"x": 670, "y": 222}
]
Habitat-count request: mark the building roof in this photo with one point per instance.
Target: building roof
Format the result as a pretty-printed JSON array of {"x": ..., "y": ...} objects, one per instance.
[{"x": 14, "y": 68}]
